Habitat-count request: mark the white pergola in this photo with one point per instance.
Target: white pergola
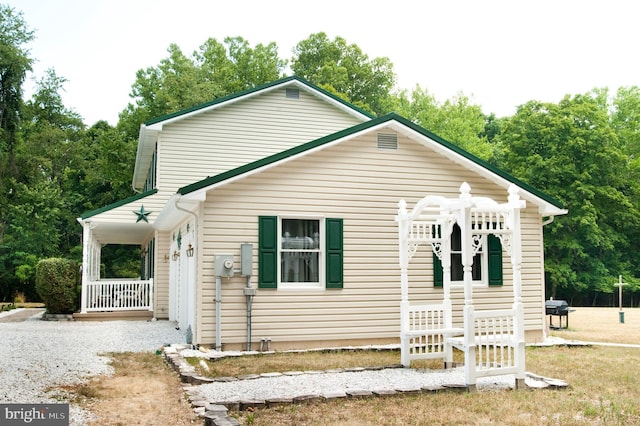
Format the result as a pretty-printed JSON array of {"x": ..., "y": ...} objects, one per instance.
[{"x": 492, "y": 340}]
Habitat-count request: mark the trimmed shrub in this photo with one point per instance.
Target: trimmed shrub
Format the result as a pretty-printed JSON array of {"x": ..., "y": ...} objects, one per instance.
[{"x": 56, "y": 284}]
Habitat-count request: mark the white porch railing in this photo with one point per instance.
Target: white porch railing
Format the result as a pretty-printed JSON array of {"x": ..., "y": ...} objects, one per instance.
[{"x": 119, "y": 295}]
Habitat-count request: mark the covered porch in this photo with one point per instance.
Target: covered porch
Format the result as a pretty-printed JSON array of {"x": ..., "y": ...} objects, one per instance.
[{"x": 115, "y": 298}]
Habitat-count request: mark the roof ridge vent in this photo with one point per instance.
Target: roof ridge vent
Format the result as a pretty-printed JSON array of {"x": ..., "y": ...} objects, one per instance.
[{"x": 388, "y": 141}]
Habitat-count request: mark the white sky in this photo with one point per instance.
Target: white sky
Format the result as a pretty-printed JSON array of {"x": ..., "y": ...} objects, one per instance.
[{"x": 500, "y": 53}]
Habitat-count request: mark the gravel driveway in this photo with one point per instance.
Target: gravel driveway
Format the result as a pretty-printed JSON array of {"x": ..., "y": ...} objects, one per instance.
[{"x": 38, "y": 354}]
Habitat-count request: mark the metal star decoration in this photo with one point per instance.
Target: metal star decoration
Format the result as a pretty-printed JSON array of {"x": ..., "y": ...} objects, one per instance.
[{"x": 142, "y": 214}]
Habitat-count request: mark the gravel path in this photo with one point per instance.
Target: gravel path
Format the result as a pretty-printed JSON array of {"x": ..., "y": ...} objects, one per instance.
[
  {"x": 327, "y": 384},
  {"x": 38, "y": 354}
]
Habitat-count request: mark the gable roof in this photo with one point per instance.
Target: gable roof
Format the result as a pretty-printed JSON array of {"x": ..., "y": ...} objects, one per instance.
[
  {"x": 150, "y": 130},
  {"x": 548, "y": 205},
  {"x": 119, "y": 203}
]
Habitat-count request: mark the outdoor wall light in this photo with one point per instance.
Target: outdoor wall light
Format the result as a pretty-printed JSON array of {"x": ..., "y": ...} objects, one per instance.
[
  {"x": 190, "y": 250},
  {"x": 166, "y": 258},
  {"x": 176, "y": 255}
]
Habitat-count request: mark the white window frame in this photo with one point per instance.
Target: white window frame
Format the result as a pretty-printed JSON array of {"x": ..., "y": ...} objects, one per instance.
[
  {"x": 483, "y": 282},
  {"x": 320, "y": 285}
]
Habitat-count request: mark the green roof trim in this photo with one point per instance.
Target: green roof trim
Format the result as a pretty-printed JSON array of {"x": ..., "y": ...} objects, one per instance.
[
  {"x": 355, "y": 129},
  {"x": 117, "y": 204},
  {"x": 253, "y": 90},
  {"x": 548, "y": 198}
]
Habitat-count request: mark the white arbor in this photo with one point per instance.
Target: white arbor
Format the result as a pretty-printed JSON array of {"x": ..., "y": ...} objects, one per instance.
[{"x": 492, "y": 340}]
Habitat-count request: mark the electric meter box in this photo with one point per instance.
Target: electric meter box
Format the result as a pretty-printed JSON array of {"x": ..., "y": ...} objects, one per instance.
[{"x": 224, "y": 265}]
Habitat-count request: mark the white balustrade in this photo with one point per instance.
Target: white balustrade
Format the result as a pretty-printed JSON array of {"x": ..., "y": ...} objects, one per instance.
[{"x": 119, "y": 295}]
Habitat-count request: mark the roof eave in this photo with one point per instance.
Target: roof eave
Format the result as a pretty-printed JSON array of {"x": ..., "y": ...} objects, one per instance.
[{"x": 146, "y": 146}]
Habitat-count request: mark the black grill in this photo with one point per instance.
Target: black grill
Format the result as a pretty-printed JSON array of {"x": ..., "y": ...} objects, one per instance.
[{"x": 559, "y": 308}]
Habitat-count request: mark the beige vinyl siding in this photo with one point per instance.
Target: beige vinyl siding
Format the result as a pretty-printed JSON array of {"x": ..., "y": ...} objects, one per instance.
[
  {"x": 223, "y": 139},
  {"x": 363, "y": 185},
  {"x": 161, "y": 279},
  {"x": 124, "y": 213}
]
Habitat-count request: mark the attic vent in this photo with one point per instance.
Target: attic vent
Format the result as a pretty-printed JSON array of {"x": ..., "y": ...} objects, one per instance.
[
  {"x": 292, "y": 93},
  {"x": 388, "y": 141}
]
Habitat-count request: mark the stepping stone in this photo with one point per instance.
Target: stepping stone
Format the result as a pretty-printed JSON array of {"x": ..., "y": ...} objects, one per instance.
[
  {"x": 536, "y": 384},
  {"x": 279, "y": 402},
  {"x": 226, "y": 379},
  {"x": 335, "y": 394},
  {"x": 303, "y": 399},
  {"x": 408, "y": 389},
  {"x": 249, "y": 377},
  {"x": 557, "y": 383},
  {"x": 359, "y": 393},
  {"x": 432, "y": 389},
  {"x": 384, "y": 391}
]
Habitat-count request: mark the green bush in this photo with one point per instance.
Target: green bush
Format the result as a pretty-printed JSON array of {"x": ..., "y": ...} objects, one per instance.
[{"x": 56, "y": 285}]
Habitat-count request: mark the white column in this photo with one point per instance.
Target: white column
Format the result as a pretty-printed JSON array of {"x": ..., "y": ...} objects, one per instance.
[
  {"x": 403, "y": 257},
  {"x": 464, "y": 221},
  {"x": 86, "y": 250},
  {"x": 516, "y": 262}
]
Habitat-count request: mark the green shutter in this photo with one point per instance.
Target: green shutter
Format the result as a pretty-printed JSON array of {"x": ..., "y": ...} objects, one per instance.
[
  {"x": 334, "y": 253},
  {"x": 495, "y": 260},
  {"x": 267, "y": 252},
  {"x": 437, "y": 272}
]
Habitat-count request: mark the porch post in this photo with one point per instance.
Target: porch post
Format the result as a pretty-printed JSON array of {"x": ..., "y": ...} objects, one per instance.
[
  {"x": 403, "y": 255},
  {"x": 151, "y": 296},
  {"x": 464, "y": 221},
  {"x": 86, "y": 249},
  {"x": 516, "y": 261}
]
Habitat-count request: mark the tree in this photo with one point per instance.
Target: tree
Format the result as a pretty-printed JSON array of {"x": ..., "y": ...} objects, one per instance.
[
  {"x": 571, "y": 151},
  {"x": 14, "y": 64},
  {"x": 343, "y": 69},
  {"x": 456, "y": 120},
  {"x": 215, "y": 70}
]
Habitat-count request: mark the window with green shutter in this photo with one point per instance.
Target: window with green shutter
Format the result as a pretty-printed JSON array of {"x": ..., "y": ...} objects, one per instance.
[
  {"x": 495, "y": 260},
  {"x": 300, "y": 253},
  {"x": 335, "y": 257},
  {"x": 267, "y": 252},
  {"x": 488, "y": 258}
]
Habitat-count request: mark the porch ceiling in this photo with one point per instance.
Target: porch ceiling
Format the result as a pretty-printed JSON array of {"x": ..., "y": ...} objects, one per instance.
[{"x": 121, "y": 233}]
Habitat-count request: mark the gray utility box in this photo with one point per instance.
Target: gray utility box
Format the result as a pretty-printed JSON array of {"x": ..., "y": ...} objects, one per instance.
[
  {"x": 246, "y": 259},
  {"x": 224, "y": 265}
]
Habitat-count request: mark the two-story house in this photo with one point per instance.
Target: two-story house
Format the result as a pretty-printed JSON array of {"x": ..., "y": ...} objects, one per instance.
[{"x": 268, "y": 217}]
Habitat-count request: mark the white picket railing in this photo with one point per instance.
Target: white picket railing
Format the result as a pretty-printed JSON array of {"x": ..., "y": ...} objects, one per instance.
[
  {"x": 496, "y": 342},
  {"x": 425, "y": 332},
  {"x": 119, "y": 295}
]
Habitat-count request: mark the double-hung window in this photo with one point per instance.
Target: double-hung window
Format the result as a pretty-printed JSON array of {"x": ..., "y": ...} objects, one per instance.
[
  {"x": 299, "y": 252},
  {"x": 487, "y": 262}
]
